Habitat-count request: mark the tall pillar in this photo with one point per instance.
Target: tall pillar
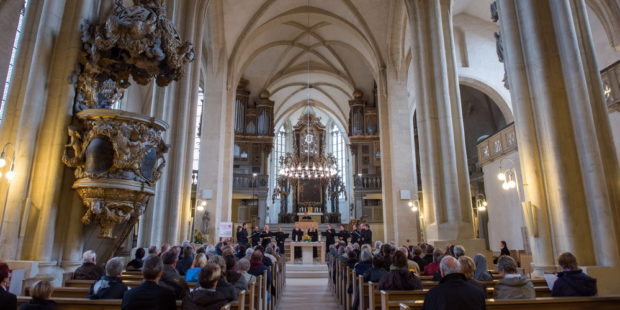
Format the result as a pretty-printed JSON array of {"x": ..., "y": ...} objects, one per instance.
[
  {"x": 568, "y": 158},
  {"x": 446, "y": 197},
  {"x": 397, "y": 163}
]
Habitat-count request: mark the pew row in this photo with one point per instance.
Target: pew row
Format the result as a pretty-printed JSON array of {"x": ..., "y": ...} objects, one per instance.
[
  {"x": 543, "y": 303},
  {"x": 87, "y": 304}
]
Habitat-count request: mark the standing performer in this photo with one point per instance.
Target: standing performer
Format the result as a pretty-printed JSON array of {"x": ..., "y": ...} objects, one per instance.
[
  {"x": 314, "y": 237},
  {"x": 355, "y": 234},
  {"x": 298, "y": 236},
  {"x": 255, "y": 237},
  {"x": 330, "y": 235},
  {"x": 242, "y": 234},
  {"x": 366, "y": 235},
  {"x": 266, "y": 235},
  {"x": 343, "y": 234},
  {"x": 280, "y": 239}
]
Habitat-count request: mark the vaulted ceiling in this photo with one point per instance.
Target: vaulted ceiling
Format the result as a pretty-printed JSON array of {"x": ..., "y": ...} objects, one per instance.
[{"x": 317, "y": 49}]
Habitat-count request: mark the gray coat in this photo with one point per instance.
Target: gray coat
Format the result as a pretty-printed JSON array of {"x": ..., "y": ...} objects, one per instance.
[{"x": 515, "y": 288}]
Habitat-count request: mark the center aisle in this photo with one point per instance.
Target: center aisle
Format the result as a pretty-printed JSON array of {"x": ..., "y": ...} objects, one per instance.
[{"x": 307, "y": 293}]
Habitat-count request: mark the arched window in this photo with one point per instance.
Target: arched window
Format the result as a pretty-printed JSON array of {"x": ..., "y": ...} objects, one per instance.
[
  {"x": 198, "y": 124},
  {"x": 280, "y": 150},
  {"x": 339, "y": 153},
  {"x": 9, "y": 75}
]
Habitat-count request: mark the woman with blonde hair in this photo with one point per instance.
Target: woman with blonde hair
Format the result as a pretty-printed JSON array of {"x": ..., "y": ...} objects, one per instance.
[
  {"x": 199, "y": 262},
  {"x": 468, "y": 267},
  {"x": 41, "y": 292}
]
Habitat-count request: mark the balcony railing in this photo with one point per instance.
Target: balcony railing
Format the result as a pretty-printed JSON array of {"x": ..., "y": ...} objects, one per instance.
[
  {"x": 497, "y": 145},
  {"x": 367, "y": 182},
  {"x": 250, "y": 181}
]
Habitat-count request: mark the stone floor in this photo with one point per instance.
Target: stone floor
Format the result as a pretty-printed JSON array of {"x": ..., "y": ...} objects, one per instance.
[{"x": 308, "y": 294}]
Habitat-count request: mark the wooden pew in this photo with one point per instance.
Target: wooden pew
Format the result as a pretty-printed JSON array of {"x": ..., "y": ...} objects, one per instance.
[
  {"x": 389, "y": 299},
  {"x": 87, "y": 304},
  {"x": 544, "y": 303}
]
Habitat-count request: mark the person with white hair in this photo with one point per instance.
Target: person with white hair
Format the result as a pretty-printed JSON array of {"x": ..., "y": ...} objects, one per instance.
[
  {"x": 459, "y": 251},
  {"x": 110, "y": 286},
  {"x": 454, "y": 291},
  {"x": 89, "y": 269},
  {"x": 378, "y": 245}
]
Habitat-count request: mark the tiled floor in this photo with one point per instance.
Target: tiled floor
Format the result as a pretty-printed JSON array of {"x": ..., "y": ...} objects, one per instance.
[{"x": 308, "y": 294}]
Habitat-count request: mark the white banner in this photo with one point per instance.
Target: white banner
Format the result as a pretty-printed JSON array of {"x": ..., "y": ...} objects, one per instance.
[{"x": 225, "y": 230}]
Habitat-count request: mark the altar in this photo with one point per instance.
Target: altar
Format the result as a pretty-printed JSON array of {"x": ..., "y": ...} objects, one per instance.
[{"x": 307, "y": 256}]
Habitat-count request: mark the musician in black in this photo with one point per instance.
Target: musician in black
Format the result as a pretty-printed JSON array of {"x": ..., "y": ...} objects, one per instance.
[
  {"x": 366, "y": 235},
  {"x": 343, "y": 234},
  {"x": 314, "y": 237},
  {"x": 242, "y": 234},
  {"x": 255, "y": 237},
  {"x": 330, "y": 236},
  {"x": 280, "y": 239},
  {"x": 355, "y": 234},
  {"x": 266, "y": 236},
  {"x": 298, "y": 236}
]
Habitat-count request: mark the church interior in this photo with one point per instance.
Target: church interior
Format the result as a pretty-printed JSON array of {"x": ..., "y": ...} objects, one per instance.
[{"x": 133, "y": 126}]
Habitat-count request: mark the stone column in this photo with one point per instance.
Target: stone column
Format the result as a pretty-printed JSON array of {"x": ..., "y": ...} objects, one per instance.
[
  {"x": 568, "y": 158},
  {"x": 397, "y": 162},
  {"x": 445, "y": 180}
]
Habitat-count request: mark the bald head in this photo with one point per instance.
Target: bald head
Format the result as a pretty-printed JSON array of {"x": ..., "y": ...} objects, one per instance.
[{"x": 449, "y": 265}]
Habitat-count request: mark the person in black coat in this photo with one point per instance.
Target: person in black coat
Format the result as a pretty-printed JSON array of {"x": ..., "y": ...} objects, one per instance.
[
  {"x": 330, "y": 236},
  {"x": 355, "y": 234},
  {"x": 7, "y": 299},
  {"x": 266, "y": 235},
  {"x": 242, "y": 234},
  {"x": 41, "y": 293},
  {"x": 149, "y": 295},
  {"x": 185, "y": 263},
  {"x": 298, "y": 236},
  {"x": 572, "y": 281},
  {"x": 399, "y": 278},
  {"x": 343, "y": 235},
  {"x": 453, "y": 291},
  {"x": 206, "y": 296},
  {"x": 109, "y": 286},
  {"x": 280, "y": 239},
  {"x": 314, "y": 237},
  {"x": 366, "y": 235},
  {"x": 255, "y": 237}
]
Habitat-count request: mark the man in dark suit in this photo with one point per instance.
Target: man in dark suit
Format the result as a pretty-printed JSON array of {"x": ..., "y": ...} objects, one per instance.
[
  {"x": 366, "y": 234},
  {"x": 149, "y": 295},
  {"x": 266, "y": 235},
  {"x": 454, "y": 291},
  {"x": 280, "y": 239},
  {"x": 330, "y": 236},
  {"x": 242, "y": 234},
  {"x": 298, "y": 236},
  {"x": 355, "y": 234},
  {"x": 255, "y": 237}
]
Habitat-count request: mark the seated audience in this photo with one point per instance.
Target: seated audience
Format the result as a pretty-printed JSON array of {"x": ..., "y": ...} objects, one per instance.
[
  {"x": 153, "y": 250},
  {"x": 411, "y": 265},
  {"x": 149, "y": 295},
  {"x": 41, "y": 293},
  {"x": 88, "y": 270},
  {"x": 571, "y": 280},
  {"x": 481, "y": 273},
  {"x": 433, "y": 267},
  {"x": 428, "y": 255},
  {"x": 243, "y": 265},
  {"x": 351, "y": 259},
  {"x": 365, "y": 262},
  {"x": 206, "y": 296},
  {"x": 171, "y": 279},
  {"x": 233, "y": 276},
  {"x": 257, "y": 267},
  {"x": 192, "y": 274},
  {"x": 453, "y": 291},
  {"x": 417, "y": 252},
  {"x": 186, "y": 262},
  {"x": 109, "y": 286},
  {"x": 377, "y": 271},
  {"x": 467, "y": 269},
  {"x": 136, "y": 263},
  {"x": 223, "y": 286},
  {"x": 458, "y": 251},
  {"x": 8, "y": 300},
  {"x": 399, "y": 278},
  {"x": 512, "y": 285}
]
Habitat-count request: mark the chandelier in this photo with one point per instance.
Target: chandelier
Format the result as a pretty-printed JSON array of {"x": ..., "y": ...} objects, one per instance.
[{"x": 320, "y": 167}]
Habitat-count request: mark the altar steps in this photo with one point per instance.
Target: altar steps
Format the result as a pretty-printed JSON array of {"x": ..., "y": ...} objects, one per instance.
[{"x": 300, "y": 271}]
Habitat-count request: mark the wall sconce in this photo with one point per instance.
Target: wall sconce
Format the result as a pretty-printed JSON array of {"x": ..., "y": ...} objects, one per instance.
[
  {"x": 414, "y": 204},
  {"x": 202, "y": 205},
  {"x": 508, "y": 176},
  {"x": 481, "y": 203},
  {"x": 9, "y": 175}
]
